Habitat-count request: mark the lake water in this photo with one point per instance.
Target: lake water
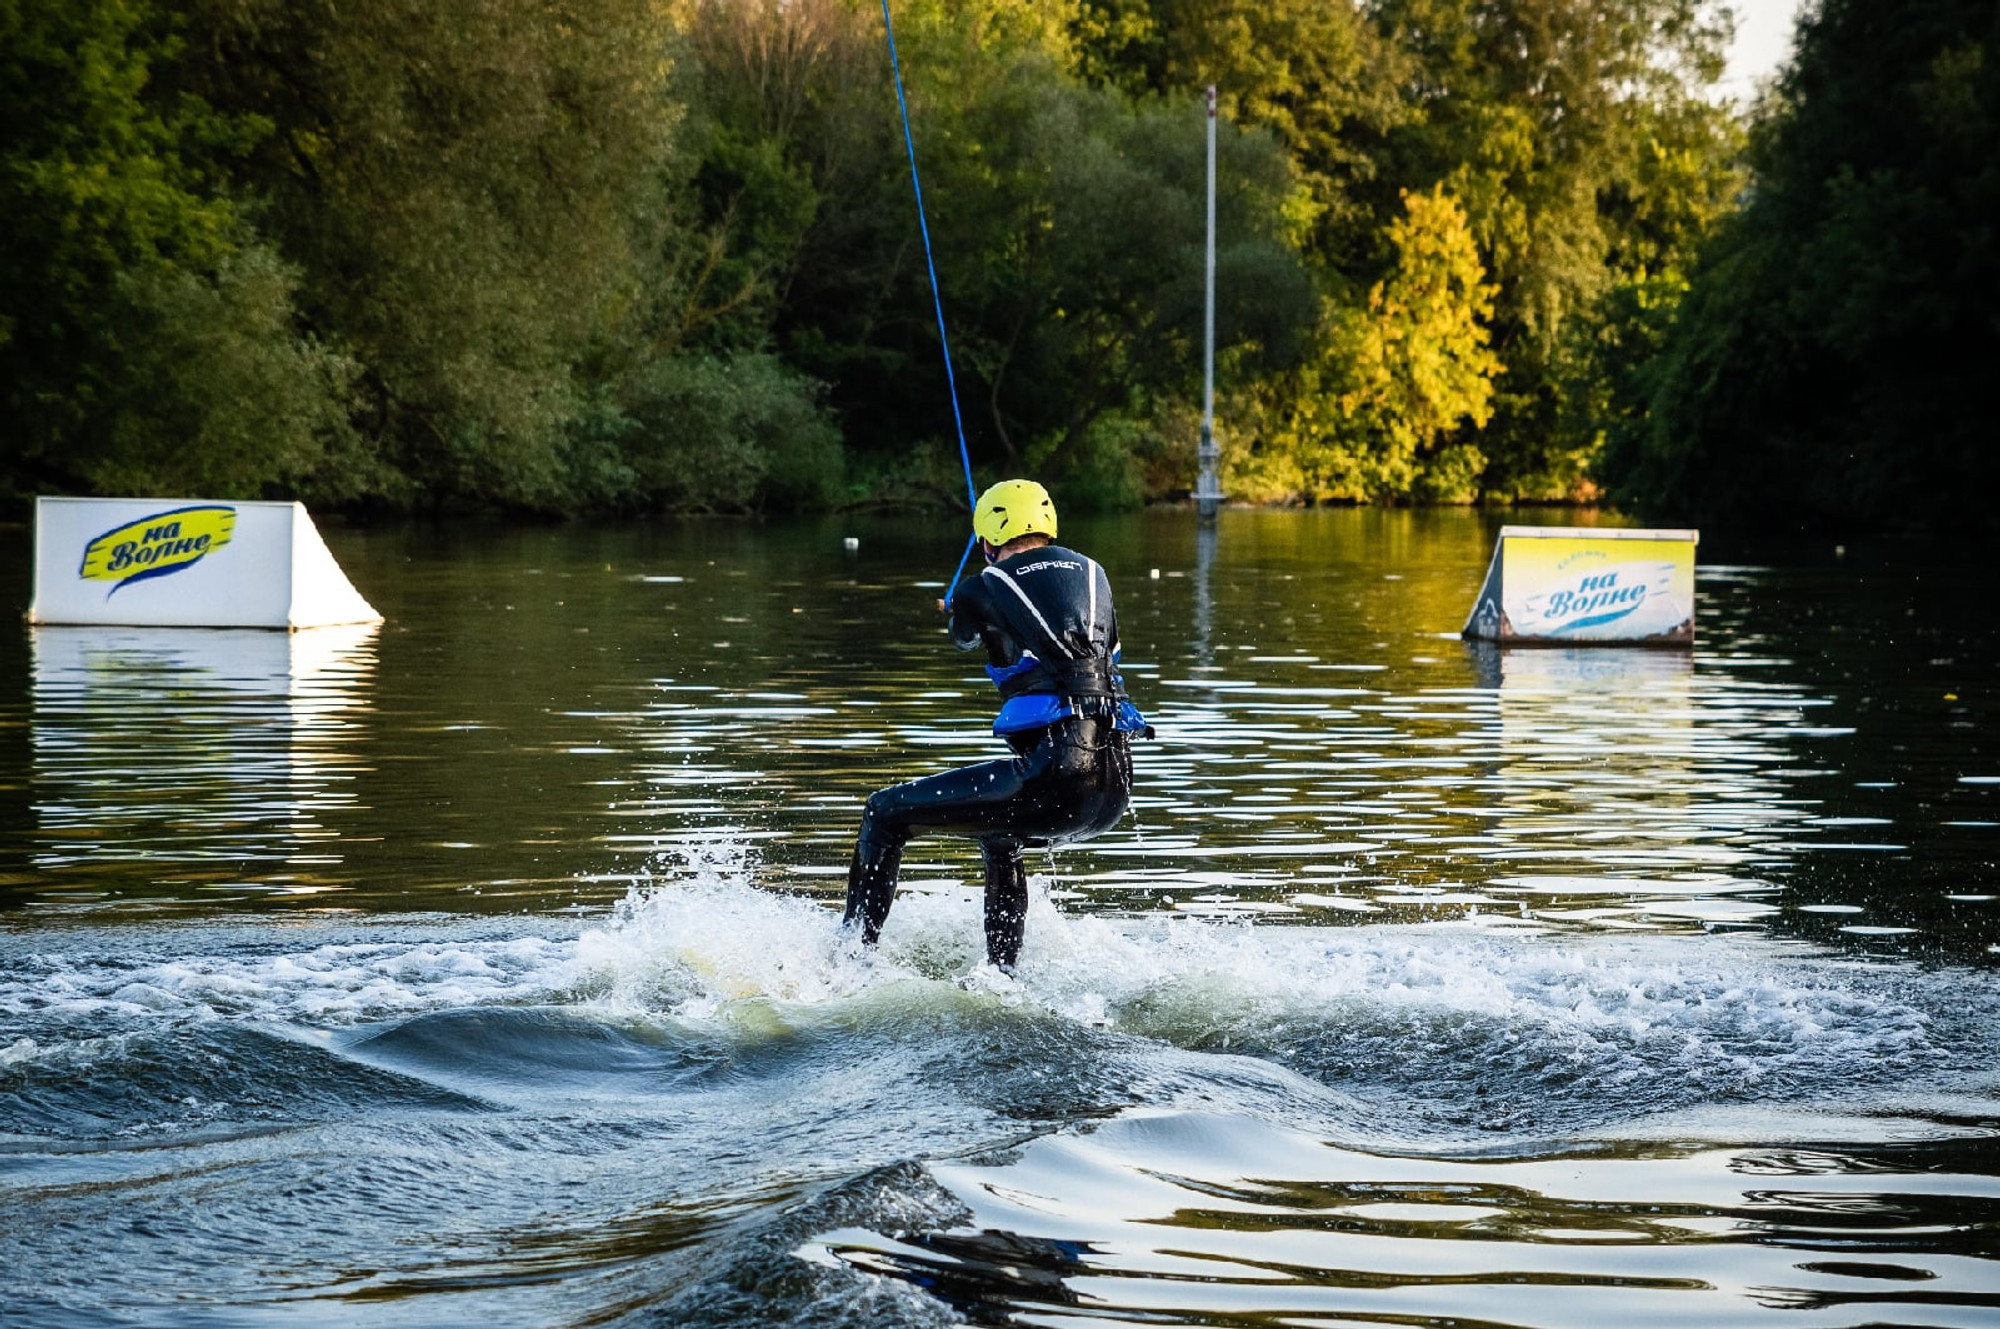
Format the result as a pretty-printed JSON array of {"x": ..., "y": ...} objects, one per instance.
[{"x": 483, "y": 968}]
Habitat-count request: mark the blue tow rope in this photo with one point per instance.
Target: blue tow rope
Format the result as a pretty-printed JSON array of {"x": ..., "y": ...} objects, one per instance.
[{"x": 937, "y": 302}]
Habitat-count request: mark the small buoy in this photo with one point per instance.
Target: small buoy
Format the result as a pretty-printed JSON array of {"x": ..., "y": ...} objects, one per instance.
[
  {"x": 1154, "y": 574},
  {"x": 850, "y": 544}
]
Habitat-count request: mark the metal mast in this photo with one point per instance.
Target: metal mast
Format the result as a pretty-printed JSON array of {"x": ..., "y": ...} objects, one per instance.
[{"x": 1208, "y": 489}]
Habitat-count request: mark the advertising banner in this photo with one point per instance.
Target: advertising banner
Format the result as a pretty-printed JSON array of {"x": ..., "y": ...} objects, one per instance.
[
  {"x": 1587, "y": 585},
  {"x": 186, "y": 563}
]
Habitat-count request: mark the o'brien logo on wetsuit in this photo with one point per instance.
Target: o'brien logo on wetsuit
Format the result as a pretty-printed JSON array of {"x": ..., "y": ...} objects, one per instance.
[
  {"x": 154, "y": 546},
  {"x": 1048, "y": 563},
  {"x": 1606, "y": 595}
]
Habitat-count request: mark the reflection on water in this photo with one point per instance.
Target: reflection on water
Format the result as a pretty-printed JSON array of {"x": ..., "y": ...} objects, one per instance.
[
  {"x": 547, "y": 709},
  {"x": 1191, "y": 1219},
  {"x": 1630, "y": 790},
  {"x": 1205, "y": 537},
  {"x": 220, "y": 759}
]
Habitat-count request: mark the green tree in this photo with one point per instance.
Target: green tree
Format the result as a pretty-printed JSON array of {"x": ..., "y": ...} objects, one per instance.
[
  {"x": 476, "y": 195},
  {"x": 143, "y": 326},
  {"x": 1826, "y": 367},
  {"x": 1687, "y": 177},
  {"x": 804, "y": 198},
  {"x": 1082, "y": 294},
  {"x": 1318, "y": 77},
  {"x": 220, "y": 395},
  {"x": 1066, "y": 221},
  {"x": 1574, "y": 134}
]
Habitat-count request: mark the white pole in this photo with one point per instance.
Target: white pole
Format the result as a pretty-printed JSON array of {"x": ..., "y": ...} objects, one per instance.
[{"x": 1208, "y": 488}]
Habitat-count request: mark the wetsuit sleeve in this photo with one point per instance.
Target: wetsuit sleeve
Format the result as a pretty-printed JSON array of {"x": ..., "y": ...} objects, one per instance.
[{"x": 970, "y": 618}]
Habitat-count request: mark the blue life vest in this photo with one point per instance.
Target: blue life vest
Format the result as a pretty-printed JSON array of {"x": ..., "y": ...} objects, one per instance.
[{"x": 1034, "y": 710}]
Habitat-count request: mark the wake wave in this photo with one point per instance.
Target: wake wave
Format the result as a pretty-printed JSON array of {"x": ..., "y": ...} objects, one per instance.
[{"x": 1521, "y": 1026}]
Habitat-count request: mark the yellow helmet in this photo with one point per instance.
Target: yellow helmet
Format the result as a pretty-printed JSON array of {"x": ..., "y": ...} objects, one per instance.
[{"x": 1011, "y": 509}]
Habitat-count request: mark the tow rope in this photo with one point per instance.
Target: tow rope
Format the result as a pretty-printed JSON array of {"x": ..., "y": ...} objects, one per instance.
[{"x": 937, "y": 302}]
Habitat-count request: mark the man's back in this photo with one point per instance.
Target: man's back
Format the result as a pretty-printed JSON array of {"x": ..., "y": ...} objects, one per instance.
[{"x": 1050, "y": 601}]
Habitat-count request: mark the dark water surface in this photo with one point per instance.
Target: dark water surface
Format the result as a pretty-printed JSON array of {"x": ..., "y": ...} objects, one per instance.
[{"x": 482, "y": 968}]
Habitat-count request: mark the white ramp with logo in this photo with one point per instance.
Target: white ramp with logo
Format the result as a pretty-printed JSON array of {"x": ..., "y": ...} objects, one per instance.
[
  {"x": 187, "y": 563},
  {"x": 1587, "y": 585}
]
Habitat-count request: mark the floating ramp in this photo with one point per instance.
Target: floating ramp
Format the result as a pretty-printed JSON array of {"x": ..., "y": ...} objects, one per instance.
[
  {"x": 187, "y": 563},
  {"x": 1570, "y": 585}
]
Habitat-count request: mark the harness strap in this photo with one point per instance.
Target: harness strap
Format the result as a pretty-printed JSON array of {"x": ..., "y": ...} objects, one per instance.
[{"x": 1090, "y": 574}]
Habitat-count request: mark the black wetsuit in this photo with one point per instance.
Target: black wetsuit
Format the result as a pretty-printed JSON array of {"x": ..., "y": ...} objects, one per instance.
[{"x": 1046, "y": 619}]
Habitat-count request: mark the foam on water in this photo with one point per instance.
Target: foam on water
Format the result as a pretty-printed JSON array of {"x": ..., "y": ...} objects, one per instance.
[
  {"x": 1740, "y": 1010},
  {"x": 580, "y": 1079},
  {"x": 1524, "y": 1023},
  {"x": 336, "y": 983}
]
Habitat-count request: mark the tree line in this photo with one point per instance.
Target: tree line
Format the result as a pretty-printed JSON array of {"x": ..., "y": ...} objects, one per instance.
[{"x": 642, "y": 255}]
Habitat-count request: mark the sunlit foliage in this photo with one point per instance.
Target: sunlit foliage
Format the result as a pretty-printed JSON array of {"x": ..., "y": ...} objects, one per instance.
[
  {"x": 1380, "y": 412},
  {"x": 646, "y": 254}
]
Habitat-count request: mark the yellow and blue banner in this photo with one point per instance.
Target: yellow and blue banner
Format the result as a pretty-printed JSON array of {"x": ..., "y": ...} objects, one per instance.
[
  {"x": 1564, "y": 584},
  {"x": 156, "y": 545}
]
